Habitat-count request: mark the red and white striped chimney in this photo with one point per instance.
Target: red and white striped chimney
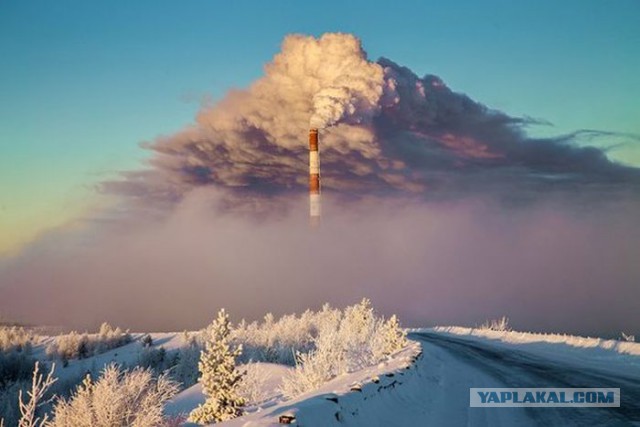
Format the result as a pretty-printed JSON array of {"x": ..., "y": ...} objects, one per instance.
[{"x": 314, "y": 179}]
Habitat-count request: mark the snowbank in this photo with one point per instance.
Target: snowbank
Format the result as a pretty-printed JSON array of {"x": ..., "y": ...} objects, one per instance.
[
  {"x": 342, "y": 398},
  {"x": 270, "y": 379},
  {"x": 514, "y": 337},
  {"x": 603, "y": 354}
]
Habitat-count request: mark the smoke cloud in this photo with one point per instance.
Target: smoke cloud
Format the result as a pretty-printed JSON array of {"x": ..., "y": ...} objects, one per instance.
[
  {"x": 455, "y": 262},
  {"x": 386, "y": 131},
  {"x": 435, "y": 206}
]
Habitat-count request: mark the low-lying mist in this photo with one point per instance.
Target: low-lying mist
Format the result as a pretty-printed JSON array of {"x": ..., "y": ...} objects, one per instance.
[{"x": 548, "y": 267}]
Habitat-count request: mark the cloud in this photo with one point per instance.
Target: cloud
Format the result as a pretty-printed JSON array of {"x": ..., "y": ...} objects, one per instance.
[{"x": 384, "y": 131}]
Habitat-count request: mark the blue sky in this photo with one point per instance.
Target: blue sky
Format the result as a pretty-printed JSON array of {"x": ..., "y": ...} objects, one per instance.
[{"x": 82, "y": 83}]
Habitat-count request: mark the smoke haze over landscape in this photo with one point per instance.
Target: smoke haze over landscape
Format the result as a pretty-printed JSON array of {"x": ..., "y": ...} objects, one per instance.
[{"x": 435, "y": 206}]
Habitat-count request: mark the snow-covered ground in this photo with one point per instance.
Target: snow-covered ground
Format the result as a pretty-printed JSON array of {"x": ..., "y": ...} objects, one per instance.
[
  {"x": 602, "y": 354},
  {"x": 435, "y": 388},
  {"x": 270, "y": 378},
  {"x": 603, "y": 346},
  {"x": 340, "y": 399},
  {"x": 412, "y": 390},
  {"x": 126, "y": 355}
]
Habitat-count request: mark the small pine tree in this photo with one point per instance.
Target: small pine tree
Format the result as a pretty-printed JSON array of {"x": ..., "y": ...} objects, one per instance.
[{"x": 218, "y": 374}]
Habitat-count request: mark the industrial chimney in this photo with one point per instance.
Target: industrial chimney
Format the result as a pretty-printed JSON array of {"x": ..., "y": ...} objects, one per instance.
[{"x": 314, "y": 179}]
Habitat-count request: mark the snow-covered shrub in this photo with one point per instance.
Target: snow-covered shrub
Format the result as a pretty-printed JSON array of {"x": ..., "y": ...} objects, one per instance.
[
  {"x": 313, "y": 369},
  {"x": 390, "y": 338},
  {"x": 346, "y": 341},
  {"x": 628, "y": 337},
  {"x": 278, "y": 341},
  {"x": 500, "y": 325},
  {"x": 219, "y": 376},
  {"x": 9, "y": 395},
  {"x": 69, "y": 346},
  {"x": 251, "y": 386},
  {"x": 117, "y": 398},
  {"x": 79, "y": 346},
  {"x": 9, "y": 407},
  {"x": 185, "y": 370},
  {"x": 110, "y": 337},
  {"x": 35, "y": 399},
  {"x": 192, "y": 338},
  {"x": 16, "y": 338},
  {"x": 181, "y": 364},
  {"x": 21, "y": 402},
  {"x": 157, "y": 359},
  {"x": 15, "y": 366}
]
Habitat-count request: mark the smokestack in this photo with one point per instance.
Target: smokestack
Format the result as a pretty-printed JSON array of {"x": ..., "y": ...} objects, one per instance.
[{"x": 314, "y": 179}]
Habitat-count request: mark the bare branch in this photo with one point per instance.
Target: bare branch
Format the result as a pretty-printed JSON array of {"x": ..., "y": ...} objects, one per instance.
[{"x": 39, "y": 386}]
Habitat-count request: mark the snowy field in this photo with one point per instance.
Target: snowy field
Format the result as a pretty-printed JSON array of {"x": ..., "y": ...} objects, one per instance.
[{"x": 421, "y": 382}]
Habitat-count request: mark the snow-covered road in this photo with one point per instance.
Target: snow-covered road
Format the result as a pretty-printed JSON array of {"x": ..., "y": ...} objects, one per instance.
[{"x": 456, "y": 364}]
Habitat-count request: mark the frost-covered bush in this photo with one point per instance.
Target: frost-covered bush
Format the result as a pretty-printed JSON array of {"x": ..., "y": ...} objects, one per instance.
[
  {"x": 628, "y": 337},
  {"x": 33, "y": 399},
  {"x": 110, "y": 337},
  {"x": 118, "y": 398},
  {"x": 500, "y": 325},
  {"x": 9, "y": 408},
  {"x": 389, "y": 338},
  {"x": 157, "y": 359},
  {"x": 69, "y": 346},
  {"x": 79, "y": 346},
  {"x": 346, "y": 341},
  {"x": 313, "y": 369},
  {"x": 181, "y": 364},
  {"x": 16, "y": 338},
  {"x": 251, "y": 386},
  {"x": 15, "y": 366},
  {"x": 185, "y": 370},
  {"x": 193, "y": 338},
  {"x": 22, "y": 401},
  {"x": 218, "y": 375},
  {"x": 278, "y": 341}
]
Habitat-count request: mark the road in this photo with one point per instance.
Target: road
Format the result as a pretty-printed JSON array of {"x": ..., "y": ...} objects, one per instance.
[{"x": 452, "y": 365}]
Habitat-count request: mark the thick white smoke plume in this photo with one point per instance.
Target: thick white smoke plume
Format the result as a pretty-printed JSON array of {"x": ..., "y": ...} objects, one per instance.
[
  {"x": 347, "y": 86},
  {"x": 386, "y": 131}
]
